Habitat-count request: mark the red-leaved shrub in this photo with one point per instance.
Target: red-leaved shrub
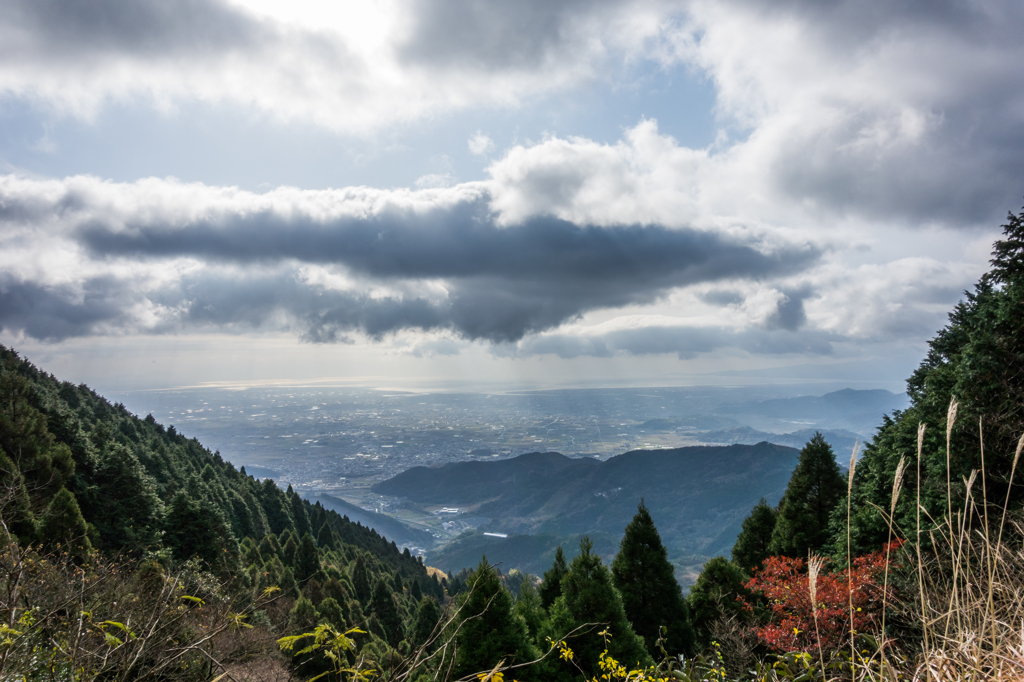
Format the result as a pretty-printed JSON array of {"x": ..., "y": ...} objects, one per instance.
[{"x": 784, "y": 583}]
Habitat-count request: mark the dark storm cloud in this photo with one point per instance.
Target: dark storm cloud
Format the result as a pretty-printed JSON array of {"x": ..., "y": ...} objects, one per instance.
[
  {"x": 56, "y": 313},
  {"x": 462, "y": 242},
  {"x": 57, "y": 29},
  {"x": 449, "y": 267},
  {"x": 685, "y": 342},
  {"x": 790, "y": 314},
  {"x": 502, "y": 283}
]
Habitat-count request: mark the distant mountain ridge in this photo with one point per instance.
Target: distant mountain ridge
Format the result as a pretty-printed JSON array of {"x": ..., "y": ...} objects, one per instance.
[
  {"x": 842, "y": 441},
  {"x": 855, "y": 410},
  {"x": 698, "y": 495}
]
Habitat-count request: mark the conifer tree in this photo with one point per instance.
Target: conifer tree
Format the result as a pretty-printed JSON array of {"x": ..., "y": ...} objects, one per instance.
[
  {"x": 384, "y": 608},
  {"x": 331, "y": 611},
  {"x": 127, "y": 515},
  {"x": 307, "y": 559},
  {"x": 589, "y": 596},
  {"x": 651, "y": 596},
  {"x": 551, "y": 588},
  {"x": 299, "y": 516},
  {"x": 275, "y": 506},
  {"x": 753, "y": 543},
  {"x": 529, "y": 607},
  {"x": 44, "y": 464},
  {"x": 270, "y": 547},
  {"x": 289, "y": 549},
  {"x": 977, "y": 358},
  {"x": 427, "y": 616},
  {"x": 489, "y": 631},
  {"x": 714, "y": 594},
  {"x": 815, "y": 488},
  {"x": 195, "y": 528},
  {"x": 325, "y": 538},
  {"x": 361, "y": 581},
  {"x": 63, "y": 524}
]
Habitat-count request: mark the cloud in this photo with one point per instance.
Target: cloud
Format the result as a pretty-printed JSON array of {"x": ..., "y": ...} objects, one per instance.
[
  {"x": 353, "y": 68},
  {"x": 686, "y": 342},
  {"x": 480, "y": 144},
  {"x": 900, "y": 110},
  {"x": 896, "y": 111},
  {"x": 330, "y": 263}
]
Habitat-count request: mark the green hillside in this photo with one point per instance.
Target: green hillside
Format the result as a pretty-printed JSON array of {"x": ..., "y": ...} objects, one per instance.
[
  {"x": 85, "y": 483},
  {"x": 698, "y": 496}
]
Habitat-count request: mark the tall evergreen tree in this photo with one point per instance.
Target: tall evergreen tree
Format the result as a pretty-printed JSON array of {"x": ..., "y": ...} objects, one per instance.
[
  {"x": 551, "y": 587},
  {"x": 382, "y": 604},
  {"x": 299, "y": 516},
  {"x": 651, "y": 596},
  {"x": 128, "y": 511},
  {"x": 63, "y": 525},
  {"x": 488, "y": 631},
  {"x": 427, "y": 616},
  {"x": 754, "y": 541},
  {"x": 589, "y": 596},
  {"x": 361, "y": 581},
  {"x": 528, "y": 605},
  {"x": 194, "y": 528},
  {"x": 815, "y": 488},
  {"x": 713, "y": 596},
  {"x": 307, "y": 559},
  {"x": 977, "y": 358}
]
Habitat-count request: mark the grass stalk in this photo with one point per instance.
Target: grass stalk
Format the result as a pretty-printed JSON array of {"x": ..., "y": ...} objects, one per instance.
[
  {"x": 849, "y": 553},
  {"x": 950, "y": 421},
  {"x": 920, "y": 564},
  {"x": 897, "y": 485},
  {"x": 814, "y": 565}
]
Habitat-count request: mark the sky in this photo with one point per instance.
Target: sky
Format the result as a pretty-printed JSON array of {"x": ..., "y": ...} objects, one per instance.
[{"x": 451, "y": 193}]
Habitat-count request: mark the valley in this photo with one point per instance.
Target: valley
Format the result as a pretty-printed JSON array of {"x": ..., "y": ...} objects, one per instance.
[{"x": 354, "y": 451}]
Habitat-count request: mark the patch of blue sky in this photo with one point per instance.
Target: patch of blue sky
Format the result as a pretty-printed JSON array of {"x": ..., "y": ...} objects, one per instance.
[{"x": 232, "y": 145}]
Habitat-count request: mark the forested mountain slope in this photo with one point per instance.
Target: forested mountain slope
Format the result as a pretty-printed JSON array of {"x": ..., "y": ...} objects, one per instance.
[
  {"x": 140, "y": 486},
  {"x": 697, "y": 495}
]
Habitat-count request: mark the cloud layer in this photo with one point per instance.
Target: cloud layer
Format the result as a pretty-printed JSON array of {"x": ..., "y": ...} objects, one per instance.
[{"x": 161, "y": 254}]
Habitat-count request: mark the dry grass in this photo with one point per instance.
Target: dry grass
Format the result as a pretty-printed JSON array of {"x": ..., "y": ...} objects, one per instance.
[{"x": 970, "y": 603}]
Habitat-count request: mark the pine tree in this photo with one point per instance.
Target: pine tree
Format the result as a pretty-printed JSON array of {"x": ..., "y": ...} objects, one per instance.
[
  {"x": 977, "y": 358},
  {"x": 815, "y": 488},
  {"x": 195, "y": 527},
  {"x": 427, "y": 617},
  {"x": 551, "y": 588},
  {"x": 307, "y": 559},
  {"x": 299, "y": 516},
  {"x": 529, "y": 607},
  {"x": 752, "y": 544},
  {"x": 383, "y": 606},
  {"x": 127, "y": 512},
  {"x": 361, "y": 581},
  {"x": 63, "y": 525},
  {"x": 331, "y": 611},
  {"x": 489, "y": 631},
  {"x": 714, "y": 594},
  {"x": 275, "y": 506},
  {"x": 589, "y": 596},
  {"x": 646, "y": 580}
]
